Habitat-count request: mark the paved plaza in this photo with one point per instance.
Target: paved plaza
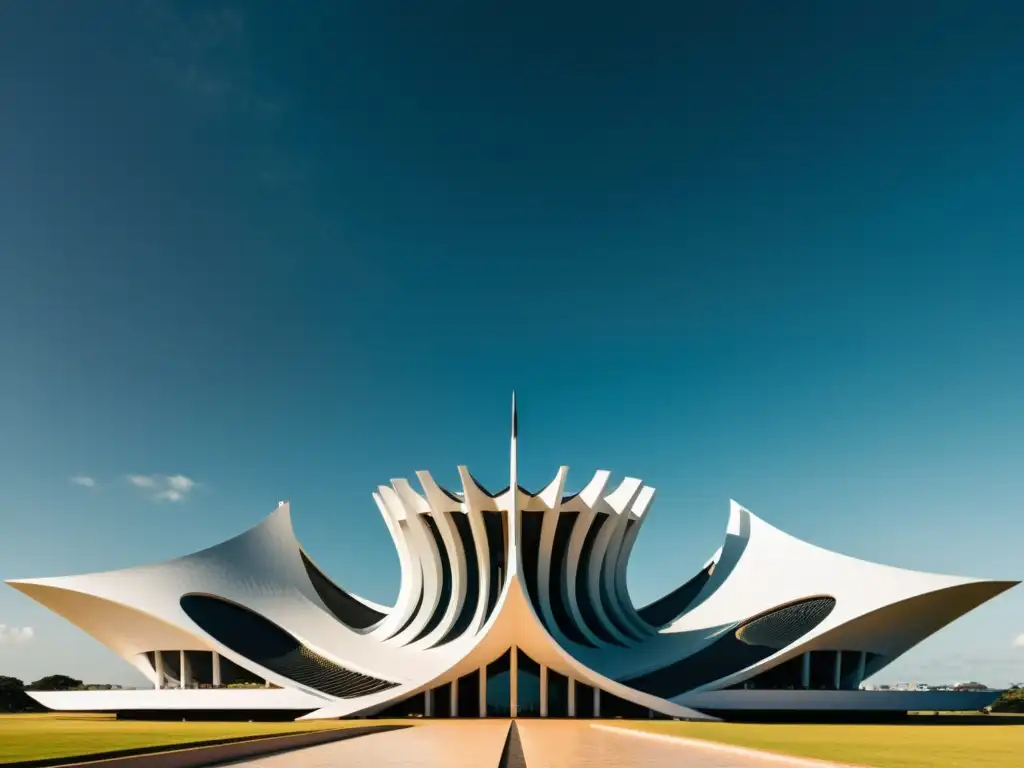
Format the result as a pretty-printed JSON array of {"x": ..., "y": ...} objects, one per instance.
[{"x": 541, "y": 744}]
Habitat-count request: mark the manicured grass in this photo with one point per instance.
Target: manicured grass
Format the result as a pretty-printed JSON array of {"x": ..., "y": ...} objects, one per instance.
[
  {"x": 35, "y": 737},
  {"x": 935, "y": 743}
]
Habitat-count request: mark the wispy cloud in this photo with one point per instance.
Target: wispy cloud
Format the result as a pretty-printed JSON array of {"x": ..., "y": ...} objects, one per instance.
[
  {"x": 15, "y": 635},
  {"x": 164, "y": 487},
  {"x": 84, "y": 480},
  {"x": 178, "y": 486}
]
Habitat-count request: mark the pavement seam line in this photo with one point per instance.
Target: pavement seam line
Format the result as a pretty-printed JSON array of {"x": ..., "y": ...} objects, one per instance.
[{"x": 807, "y": 762}]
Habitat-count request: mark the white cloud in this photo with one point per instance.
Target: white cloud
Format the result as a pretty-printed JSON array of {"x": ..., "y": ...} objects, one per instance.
[
  {"x": 84, "y": 480},
  {"x": 180, "y": 483},
  {"x": 1019, "y": 642},
  {"x": 164, "y": 487},
  {"x": 15, "y": 635}
]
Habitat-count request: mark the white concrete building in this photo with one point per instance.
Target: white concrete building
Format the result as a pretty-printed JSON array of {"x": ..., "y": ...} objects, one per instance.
[{"x": 511, "y": 603}]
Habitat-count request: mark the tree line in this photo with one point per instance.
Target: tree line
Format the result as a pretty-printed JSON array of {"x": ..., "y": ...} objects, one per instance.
[{"x": 14, "y": 699}]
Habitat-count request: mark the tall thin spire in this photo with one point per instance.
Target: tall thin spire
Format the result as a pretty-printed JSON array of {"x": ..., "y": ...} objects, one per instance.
[
  {"x": 513, "y": 481},
  {"x": 512, "y": 531}
]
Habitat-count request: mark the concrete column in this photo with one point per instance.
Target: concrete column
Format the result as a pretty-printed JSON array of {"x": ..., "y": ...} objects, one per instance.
[
  {"x": 543, "y": 691},
  {"x": 216, "y": 668},
  {"x": 158, "y": 664},
  {"x": 805, "y": 672},
  {"x": 862, "y": 669},
  {"x": 428, "y": 703},
  {"x": 454, "y": 710},
  {"x": 513, "y": 683},
  {"x": 572, "y": 697},
  {"x": 483, "y": 691},
  {"x": 650, "y": 714},
  {"x": 838, "y": 680},
  {"x": 266, "y": 683},
  {"x": 183, "y": 675},
  {"x": 597, "y": 701}
]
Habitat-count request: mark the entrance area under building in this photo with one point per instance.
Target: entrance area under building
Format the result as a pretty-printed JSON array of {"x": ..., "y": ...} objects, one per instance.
[{"x": 514, "y": 685}]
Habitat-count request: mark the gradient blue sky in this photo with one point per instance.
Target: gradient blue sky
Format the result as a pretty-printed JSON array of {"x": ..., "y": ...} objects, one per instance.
[{"x": 753, "y": 250}]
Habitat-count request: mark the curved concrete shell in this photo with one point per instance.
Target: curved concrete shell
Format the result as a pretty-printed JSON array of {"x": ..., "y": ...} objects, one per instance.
[{"x": 497, "y": 588}]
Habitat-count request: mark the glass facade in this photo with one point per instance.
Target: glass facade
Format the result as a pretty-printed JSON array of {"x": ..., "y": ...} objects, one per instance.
[
  {"x": 528, "y": 695},
  {"x": 499, "y": 688}
]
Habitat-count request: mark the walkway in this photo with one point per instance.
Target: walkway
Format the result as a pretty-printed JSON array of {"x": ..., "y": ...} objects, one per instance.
[
  {"x": 564, "y": 743},
  {"x": 451, "y": 744},
  {"x": 545, "y": 744}
]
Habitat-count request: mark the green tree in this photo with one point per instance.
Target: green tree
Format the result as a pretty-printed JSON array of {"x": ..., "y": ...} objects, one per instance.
[
  {"x": 1011, "y": 701},
  {"x": 55, "y": 683},
  {"x": 12, "y": 695},
  {"x": 10, "y": 684}
]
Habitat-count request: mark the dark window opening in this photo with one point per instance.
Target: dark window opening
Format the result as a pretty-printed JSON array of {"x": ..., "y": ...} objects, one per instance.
[
  {"x": 558, "y": 594},
  {"x": 583, "y": 597},
  {"x": 850, "y": 679},
  {"x": 607, "y": 599},
  {"x": 343, "y": 606},
  {"x": 200, "y": 667},
  {"x": 446, "y": 580},
  {"x": 558, "y": 694},
  {"x": 494, "y": 525},
  {"x": 472, "y": 599},
  {"x": 498, "y": 686},
  {"x": 528, "y": 688},
  {"x": 442, "y": 704},
  {"x": 469, "y": 694},
  {"x": 530, "y": 530},
  {"x": 271, "y": 647},
  {"x": 823, "y": 670},
  {"x": 584, "y": 700}
]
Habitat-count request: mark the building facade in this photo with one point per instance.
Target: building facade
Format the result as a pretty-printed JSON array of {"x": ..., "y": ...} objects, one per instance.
[{"x": 511, "y": 604}]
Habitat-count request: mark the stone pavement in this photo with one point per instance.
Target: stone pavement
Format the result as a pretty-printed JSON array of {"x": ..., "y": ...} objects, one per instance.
[
  {"x": 544, "y": 744},
  {"x": 452, "y": 744},
  {"x": 558, "y": 743}
]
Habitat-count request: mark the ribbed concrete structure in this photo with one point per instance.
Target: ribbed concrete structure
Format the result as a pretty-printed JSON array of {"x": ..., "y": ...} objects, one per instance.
[{"x": 511, "y": 603}]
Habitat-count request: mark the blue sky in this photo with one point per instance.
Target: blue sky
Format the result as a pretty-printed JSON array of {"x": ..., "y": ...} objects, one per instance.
[{"x": 763, "y": 253}]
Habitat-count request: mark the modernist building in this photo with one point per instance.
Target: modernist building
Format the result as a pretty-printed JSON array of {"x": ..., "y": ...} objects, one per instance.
[{"x": 511, "y": 603}]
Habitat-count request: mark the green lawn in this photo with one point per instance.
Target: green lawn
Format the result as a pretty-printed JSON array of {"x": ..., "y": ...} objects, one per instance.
[
  {"x": 936, "y": 744},
  {"x": 34, "y": 737}
]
